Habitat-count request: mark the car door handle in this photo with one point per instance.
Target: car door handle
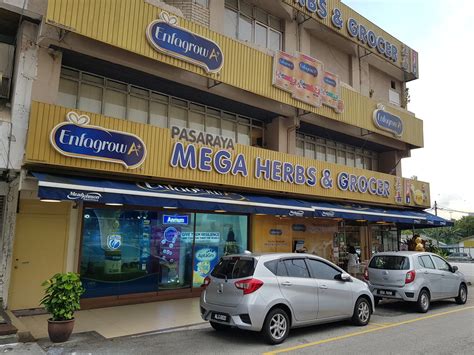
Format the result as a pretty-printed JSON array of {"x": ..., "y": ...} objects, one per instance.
[
  {"x": 286, "y": 283},
  {"x": 324, "y": 287}
]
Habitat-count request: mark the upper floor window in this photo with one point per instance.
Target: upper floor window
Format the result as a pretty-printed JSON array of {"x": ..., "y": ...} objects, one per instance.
[
  {"x": 203, "y": 3},
  {"x": 335, "y": 152},
  {"x": 97, "y": 94},
  {"x": 252, "y": 24}
]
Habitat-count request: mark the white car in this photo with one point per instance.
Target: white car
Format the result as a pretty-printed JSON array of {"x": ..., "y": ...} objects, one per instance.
[{"x": 272, "y": 293}]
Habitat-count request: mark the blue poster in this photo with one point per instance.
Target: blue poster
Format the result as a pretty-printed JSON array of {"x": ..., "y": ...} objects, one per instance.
[{"x": 205, "y": 258}]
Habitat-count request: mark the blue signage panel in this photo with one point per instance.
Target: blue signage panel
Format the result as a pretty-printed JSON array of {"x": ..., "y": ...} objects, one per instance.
[
  {"x": 388, "y": 121},
  {"x": 176, "y": 219},
  {"x": 78, "y": 139},
  {"x": 179, "y": 42}
]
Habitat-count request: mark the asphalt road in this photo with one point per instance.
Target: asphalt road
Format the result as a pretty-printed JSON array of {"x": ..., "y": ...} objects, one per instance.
[{"x": 395, "y": 328}]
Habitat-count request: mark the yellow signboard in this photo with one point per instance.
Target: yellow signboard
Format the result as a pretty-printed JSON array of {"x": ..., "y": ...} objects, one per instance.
[{"x": 188, "y": 156}]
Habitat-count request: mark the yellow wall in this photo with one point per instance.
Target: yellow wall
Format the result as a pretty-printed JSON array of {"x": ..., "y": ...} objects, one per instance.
[
  {"x": 157, "y": 164},
  {"x": 122, "y": 23},
  {"x": 272, "y": 234}
]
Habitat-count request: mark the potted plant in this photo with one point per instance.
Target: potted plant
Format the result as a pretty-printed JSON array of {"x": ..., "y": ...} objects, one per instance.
[{"x": 61, "y": 300}]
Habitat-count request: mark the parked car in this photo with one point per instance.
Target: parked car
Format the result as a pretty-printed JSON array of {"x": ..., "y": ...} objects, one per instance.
[
  {"x": 417, "y": 277},
  {"x": 466, "y": 257},
  {"x": 272, "y": 293}
]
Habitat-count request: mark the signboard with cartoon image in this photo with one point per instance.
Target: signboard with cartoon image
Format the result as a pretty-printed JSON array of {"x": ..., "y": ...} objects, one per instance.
[
  {"x": 416, "y": 193},
  {"x": 205, "y": 258},
  {"x": 307, "y": 74}
]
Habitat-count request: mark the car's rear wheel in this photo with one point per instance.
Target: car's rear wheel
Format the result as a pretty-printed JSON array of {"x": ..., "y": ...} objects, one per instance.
[
  {"x": 219, "y": 326},
  {"x": 362, "y": 312},
  {"x": 423, "y": 303},
  {"x": 462, "y": 295},
  {"x": 276, "y": 327}
]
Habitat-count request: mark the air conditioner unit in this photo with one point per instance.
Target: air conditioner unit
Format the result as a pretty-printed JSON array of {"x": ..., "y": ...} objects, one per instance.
[{"x": 394, "y": 97}]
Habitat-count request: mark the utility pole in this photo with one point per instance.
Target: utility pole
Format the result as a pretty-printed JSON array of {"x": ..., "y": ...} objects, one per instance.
[{"x": 436, "y": 208}]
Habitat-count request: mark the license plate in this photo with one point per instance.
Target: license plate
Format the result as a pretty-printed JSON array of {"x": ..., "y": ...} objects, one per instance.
[
  {"x": 220, "y": 317},
  {"x": 386, "y": 292}
]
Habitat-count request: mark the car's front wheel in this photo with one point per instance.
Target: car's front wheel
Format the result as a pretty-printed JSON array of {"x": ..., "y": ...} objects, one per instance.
[
  {"x": 462, "y": 295},
  {"x": 362, "y": 312},
  {"x": 276, "y": 327},
  {"x": 423, "y": 303}
]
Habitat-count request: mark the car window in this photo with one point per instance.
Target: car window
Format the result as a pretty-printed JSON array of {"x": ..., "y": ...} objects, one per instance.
[
  {"x": 440, "y": 263},
  {"x": 426, "y": 262},
  {"x": 321, "y": 270},
  {"x": 234, "y": 268},
  {"x": 296, "y": 268},
  {"x": 390, "y": 262}
]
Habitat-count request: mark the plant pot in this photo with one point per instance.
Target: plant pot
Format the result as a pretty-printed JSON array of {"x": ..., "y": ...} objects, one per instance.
[{"x": 59, "y": 331}]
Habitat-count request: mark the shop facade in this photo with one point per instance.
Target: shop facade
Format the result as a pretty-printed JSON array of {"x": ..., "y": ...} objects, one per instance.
[{"x": 155, "y": 147}]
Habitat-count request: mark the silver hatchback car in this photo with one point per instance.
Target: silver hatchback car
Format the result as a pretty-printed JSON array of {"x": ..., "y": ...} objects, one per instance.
[
  {"x": 417, "y": 277},
  {"x": 272, "y": 293}
]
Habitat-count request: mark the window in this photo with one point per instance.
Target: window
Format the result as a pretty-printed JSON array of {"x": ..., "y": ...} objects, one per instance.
[
  {"x": 389, "y": 262},
  {"x": 296, "y": 268},
  {"x": 441, "y": 264},
  {"x": 234, "y": 268},
  {"x": 393, "y": 85},
  {"x": 203, "y": 3},
  {"x": 321, "y": 270},
  {"x": 426, "y": 262},
  {"x": 93, "y": 93},
  {"x": 334, "y": 152},
  {"x": 252, "y": 24}
]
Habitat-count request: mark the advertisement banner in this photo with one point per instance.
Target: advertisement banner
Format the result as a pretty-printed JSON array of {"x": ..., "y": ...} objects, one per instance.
[
  {"x": 308, "y": 74},
  {"x": 331, "y": 91},
  {"x": 284, "y": 71},
  {"x": 205, "y": 258}
]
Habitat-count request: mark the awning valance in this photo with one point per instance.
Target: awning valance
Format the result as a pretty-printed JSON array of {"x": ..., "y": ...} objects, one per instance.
[
  {"x": 160, "y": 195},
  {"x": 74, "y": 188}
]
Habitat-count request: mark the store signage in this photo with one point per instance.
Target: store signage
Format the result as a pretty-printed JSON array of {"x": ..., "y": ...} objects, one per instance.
[
  {"x": 307, "y": 81},
  {"x": 388, "y": 121},
  {"x": 194, "y": 136},
  {"x": 175, "y": 219},
  {"x": 167, "y": 37},
  {"x": 76, "y": 138},
  {"x": 201, "y": 237},
  {"x": 207, "y": 159},
  {"x": 356, "y": 30},
  {"x": 84, "y": 196}
]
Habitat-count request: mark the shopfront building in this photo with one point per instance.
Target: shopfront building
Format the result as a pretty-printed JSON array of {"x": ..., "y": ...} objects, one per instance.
[{"x": 149, "y": 156}]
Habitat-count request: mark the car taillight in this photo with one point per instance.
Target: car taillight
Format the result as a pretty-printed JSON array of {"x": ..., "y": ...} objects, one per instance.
[
  {"x": 410, "y": 276},
  {"x": 206, "y": 282},
  {"x": 366, "y": 274},
  {"x": 248, "y": 285}
]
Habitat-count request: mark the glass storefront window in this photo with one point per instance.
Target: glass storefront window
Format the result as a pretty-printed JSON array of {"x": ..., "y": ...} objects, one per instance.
[
  {"x": 138, "y": 110},
  {"x": 216, "y": 235},
  {"x": 90, "y": 98},
  {"x": 67, "y": 93},
  {"x": 115, "y": 104},
  {"x": 158, "y": 114},
  {"x": 137, "y": 251}
]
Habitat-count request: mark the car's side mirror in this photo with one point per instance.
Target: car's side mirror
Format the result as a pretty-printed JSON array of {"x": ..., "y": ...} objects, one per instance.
[
  {"x": 454, "y": 268},
  {"x": 343, "y": 277}
]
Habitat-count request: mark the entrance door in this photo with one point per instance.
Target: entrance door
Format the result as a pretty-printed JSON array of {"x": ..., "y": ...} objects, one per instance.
[{"x": 39, "y": 251}]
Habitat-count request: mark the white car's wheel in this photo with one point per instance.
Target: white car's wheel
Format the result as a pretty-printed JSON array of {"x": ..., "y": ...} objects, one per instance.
[
  {"x": 276, "y": 327},
  {"x": 362, "y": 312}
]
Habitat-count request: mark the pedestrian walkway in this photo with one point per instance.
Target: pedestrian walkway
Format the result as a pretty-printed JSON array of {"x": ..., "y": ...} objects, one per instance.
[{"x": 119, "y": 321}]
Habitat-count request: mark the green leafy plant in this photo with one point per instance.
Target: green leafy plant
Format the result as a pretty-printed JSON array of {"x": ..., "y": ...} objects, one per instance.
[{"x": 62, "y": 295}]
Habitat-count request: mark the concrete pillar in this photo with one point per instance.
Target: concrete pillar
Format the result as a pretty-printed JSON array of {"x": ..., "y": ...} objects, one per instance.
[
  {"x": 390, "y": 163},
  {"x": 7, "y": 239},
  {"x": 216, "y": 15},
  {"x": 355, "y": 73},
  {"x": 364, "y": 78},
  {"x": 280, "y": 135},
  {"x": 26, "y": 61},
  {"x": 46, "y": 85}
]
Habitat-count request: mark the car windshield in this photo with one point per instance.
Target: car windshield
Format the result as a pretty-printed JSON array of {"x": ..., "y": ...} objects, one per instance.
[
  {"x": 234, "y": 268},
  {"x": 390, "y": 262}
]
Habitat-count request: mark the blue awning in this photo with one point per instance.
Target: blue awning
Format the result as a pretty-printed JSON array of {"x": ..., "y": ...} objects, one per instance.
[
  {"x": 404, "y": 218},
  {"x": 72, "y": 188}
]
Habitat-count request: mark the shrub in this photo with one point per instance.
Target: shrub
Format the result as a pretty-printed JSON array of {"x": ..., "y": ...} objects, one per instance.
[{"x": 62, "y": 295}]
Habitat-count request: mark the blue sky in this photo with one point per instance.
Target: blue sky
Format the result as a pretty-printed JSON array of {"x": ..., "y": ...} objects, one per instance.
[{"x": 442, "y": 33}]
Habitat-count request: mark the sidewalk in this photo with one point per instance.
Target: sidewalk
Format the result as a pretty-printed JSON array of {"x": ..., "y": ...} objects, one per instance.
[{"x": 120, "y": 321}]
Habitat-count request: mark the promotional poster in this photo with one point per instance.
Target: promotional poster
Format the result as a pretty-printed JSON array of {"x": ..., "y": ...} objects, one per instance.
[
  {"x": 284, "y": 71},
  {"x": 308, "y": 76}
]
